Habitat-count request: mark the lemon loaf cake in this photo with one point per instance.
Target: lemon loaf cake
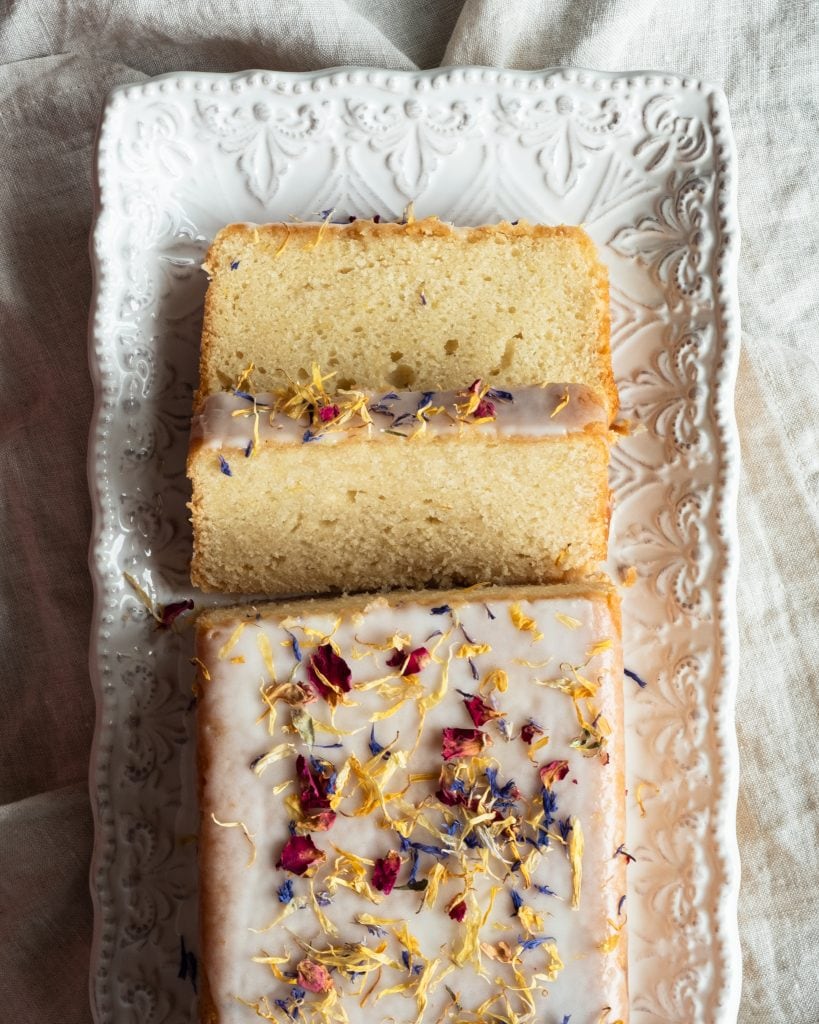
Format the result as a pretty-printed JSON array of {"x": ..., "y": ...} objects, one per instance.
[
  {"x": 307, "y": 492},
  {"x": 419, "y": 305},
  {"x": 412, "y": 809}
]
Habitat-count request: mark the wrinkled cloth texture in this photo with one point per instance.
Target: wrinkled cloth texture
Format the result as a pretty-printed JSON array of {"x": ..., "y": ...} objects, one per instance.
[{"x": 57, "y": 61}]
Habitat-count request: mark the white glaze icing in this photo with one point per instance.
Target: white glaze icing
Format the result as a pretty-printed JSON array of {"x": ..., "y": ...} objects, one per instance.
[
  {"x": 533, "y": 412},
  {"x": 239, "y": 898}
]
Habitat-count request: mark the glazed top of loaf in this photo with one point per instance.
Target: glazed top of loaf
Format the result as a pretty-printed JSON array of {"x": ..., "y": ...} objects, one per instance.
[
  {"x": 418, "y": 796},
  {"x": 238, "y": 419}
]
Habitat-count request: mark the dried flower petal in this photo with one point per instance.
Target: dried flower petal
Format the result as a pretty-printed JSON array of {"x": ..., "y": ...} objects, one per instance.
[
  {"x": 463, "y": 743},
  {"x": 479, "y": 711},
  {"x": 314, "y": 977},
  {"x": 452, "y": 791},
  {"x": 529, "y": 731},
  {"x": 328, "y": 412},
  {"x": 316, "y": 778},
  {"x": 329, "y": 673},
  {"x": 524, "y": 622},
  {"x": 316, "y": 821},
  {"x": 497, "y": 679},
  {"x": 301, "y": 856},
  {"x": 412, "y": 662},
  {"x": 457, "y": 908},
  {"x": 504, "y": 796},
  {"x": 501, "y": 951},
  {"x": 637, "y": 679},
  {"x": 530, "y": 921},
  {"x": 575, "y": 848},
  {"x": 485, "y": 410},
  {"x": 553, "y": 772},
  {"x": 386, "y": 871},
  {"x": 171, "y": 612},
  {"x": 224, "y": 466}
]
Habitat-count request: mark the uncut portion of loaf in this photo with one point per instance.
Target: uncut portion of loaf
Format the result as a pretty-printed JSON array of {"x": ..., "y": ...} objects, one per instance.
[
  {"x": 390, "y": 808},
  {"x": 420, "y": 305},
  {"x": 520, "y": 499}
]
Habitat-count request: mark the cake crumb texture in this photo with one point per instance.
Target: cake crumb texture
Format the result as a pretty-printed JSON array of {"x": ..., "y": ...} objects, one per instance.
[{"x": 367, "y": 515}]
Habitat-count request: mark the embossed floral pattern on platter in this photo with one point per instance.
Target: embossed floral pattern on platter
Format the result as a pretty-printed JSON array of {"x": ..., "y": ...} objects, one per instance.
[{"x": 645, "y": 162}]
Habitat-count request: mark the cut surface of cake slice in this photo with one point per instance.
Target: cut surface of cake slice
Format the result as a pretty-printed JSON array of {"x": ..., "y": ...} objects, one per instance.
[
  {"x": 309, "y": 493},
  {"x": 422, "y": 305},
  {"x": 412, "y": 809}
]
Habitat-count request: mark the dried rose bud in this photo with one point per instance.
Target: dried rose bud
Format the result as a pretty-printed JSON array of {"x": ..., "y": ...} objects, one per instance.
[
  {"x": 415, "y": 660},
  {"x": 386, "y": 871},
  {"x": 301, "y": 856},
  {"x": 329, "y": 673},
  {"x": 479, "y": 711},
  {"x": 457, "y": 909},
  {"x": 313, "y": 977},
  {"x": 328, "y": 412},
  {"x": 463, "y": 743},
  {"x": 529, "y": 731},
  {"x": 485, "y": 410},
  {"x": 553, "y": 772}
]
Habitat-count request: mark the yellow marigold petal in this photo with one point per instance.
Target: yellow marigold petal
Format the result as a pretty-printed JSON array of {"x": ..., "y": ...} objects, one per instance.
[
  {"x": 561, "y": 405},
  {"x": 203, "y": 668},
  {"x": 576, "y": 845},
  {"x": 497, "y": 679},
  {"x": 247, "y": 834},
  {"x": 231, "y": 641},
  {"x": 472, "y": 650},
  {"x": 272, "y": 756},
  {"x": 524, "y": 622}
]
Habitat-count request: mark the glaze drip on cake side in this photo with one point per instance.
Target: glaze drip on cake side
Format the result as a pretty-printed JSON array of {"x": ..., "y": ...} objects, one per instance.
[
  {"x": 226, "y": 419},
  {"x": 423, "y": 861}
]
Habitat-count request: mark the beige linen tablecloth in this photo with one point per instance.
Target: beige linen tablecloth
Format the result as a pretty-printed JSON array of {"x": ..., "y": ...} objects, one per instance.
[{"x": 59, "y": 58}]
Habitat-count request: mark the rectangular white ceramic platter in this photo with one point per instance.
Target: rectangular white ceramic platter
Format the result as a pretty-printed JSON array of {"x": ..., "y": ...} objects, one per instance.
[{"x": 646, "y": 163}]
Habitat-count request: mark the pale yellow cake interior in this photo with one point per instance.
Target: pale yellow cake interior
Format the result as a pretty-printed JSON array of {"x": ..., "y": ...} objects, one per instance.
[{"x": 304, "y": 519}]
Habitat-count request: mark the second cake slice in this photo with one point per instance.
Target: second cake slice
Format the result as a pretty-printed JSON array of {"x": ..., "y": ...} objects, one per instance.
[{"x": 305, "y": 492}]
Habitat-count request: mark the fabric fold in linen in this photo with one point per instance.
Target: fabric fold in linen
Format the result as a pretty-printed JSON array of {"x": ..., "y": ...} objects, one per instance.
[{"x": 59, "y": 62}]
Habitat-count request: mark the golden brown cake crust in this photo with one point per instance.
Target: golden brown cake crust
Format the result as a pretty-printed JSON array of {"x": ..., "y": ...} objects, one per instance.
[{"x": 590, "y": 588}]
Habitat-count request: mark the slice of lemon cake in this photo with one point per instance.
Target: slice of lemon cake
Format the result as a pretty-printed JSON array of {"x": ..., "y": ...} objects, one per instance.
[
  {"x": 307, "y": 492},
  {"x": 423, "y": 305},
  {"x": 412, "y": 809}
]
